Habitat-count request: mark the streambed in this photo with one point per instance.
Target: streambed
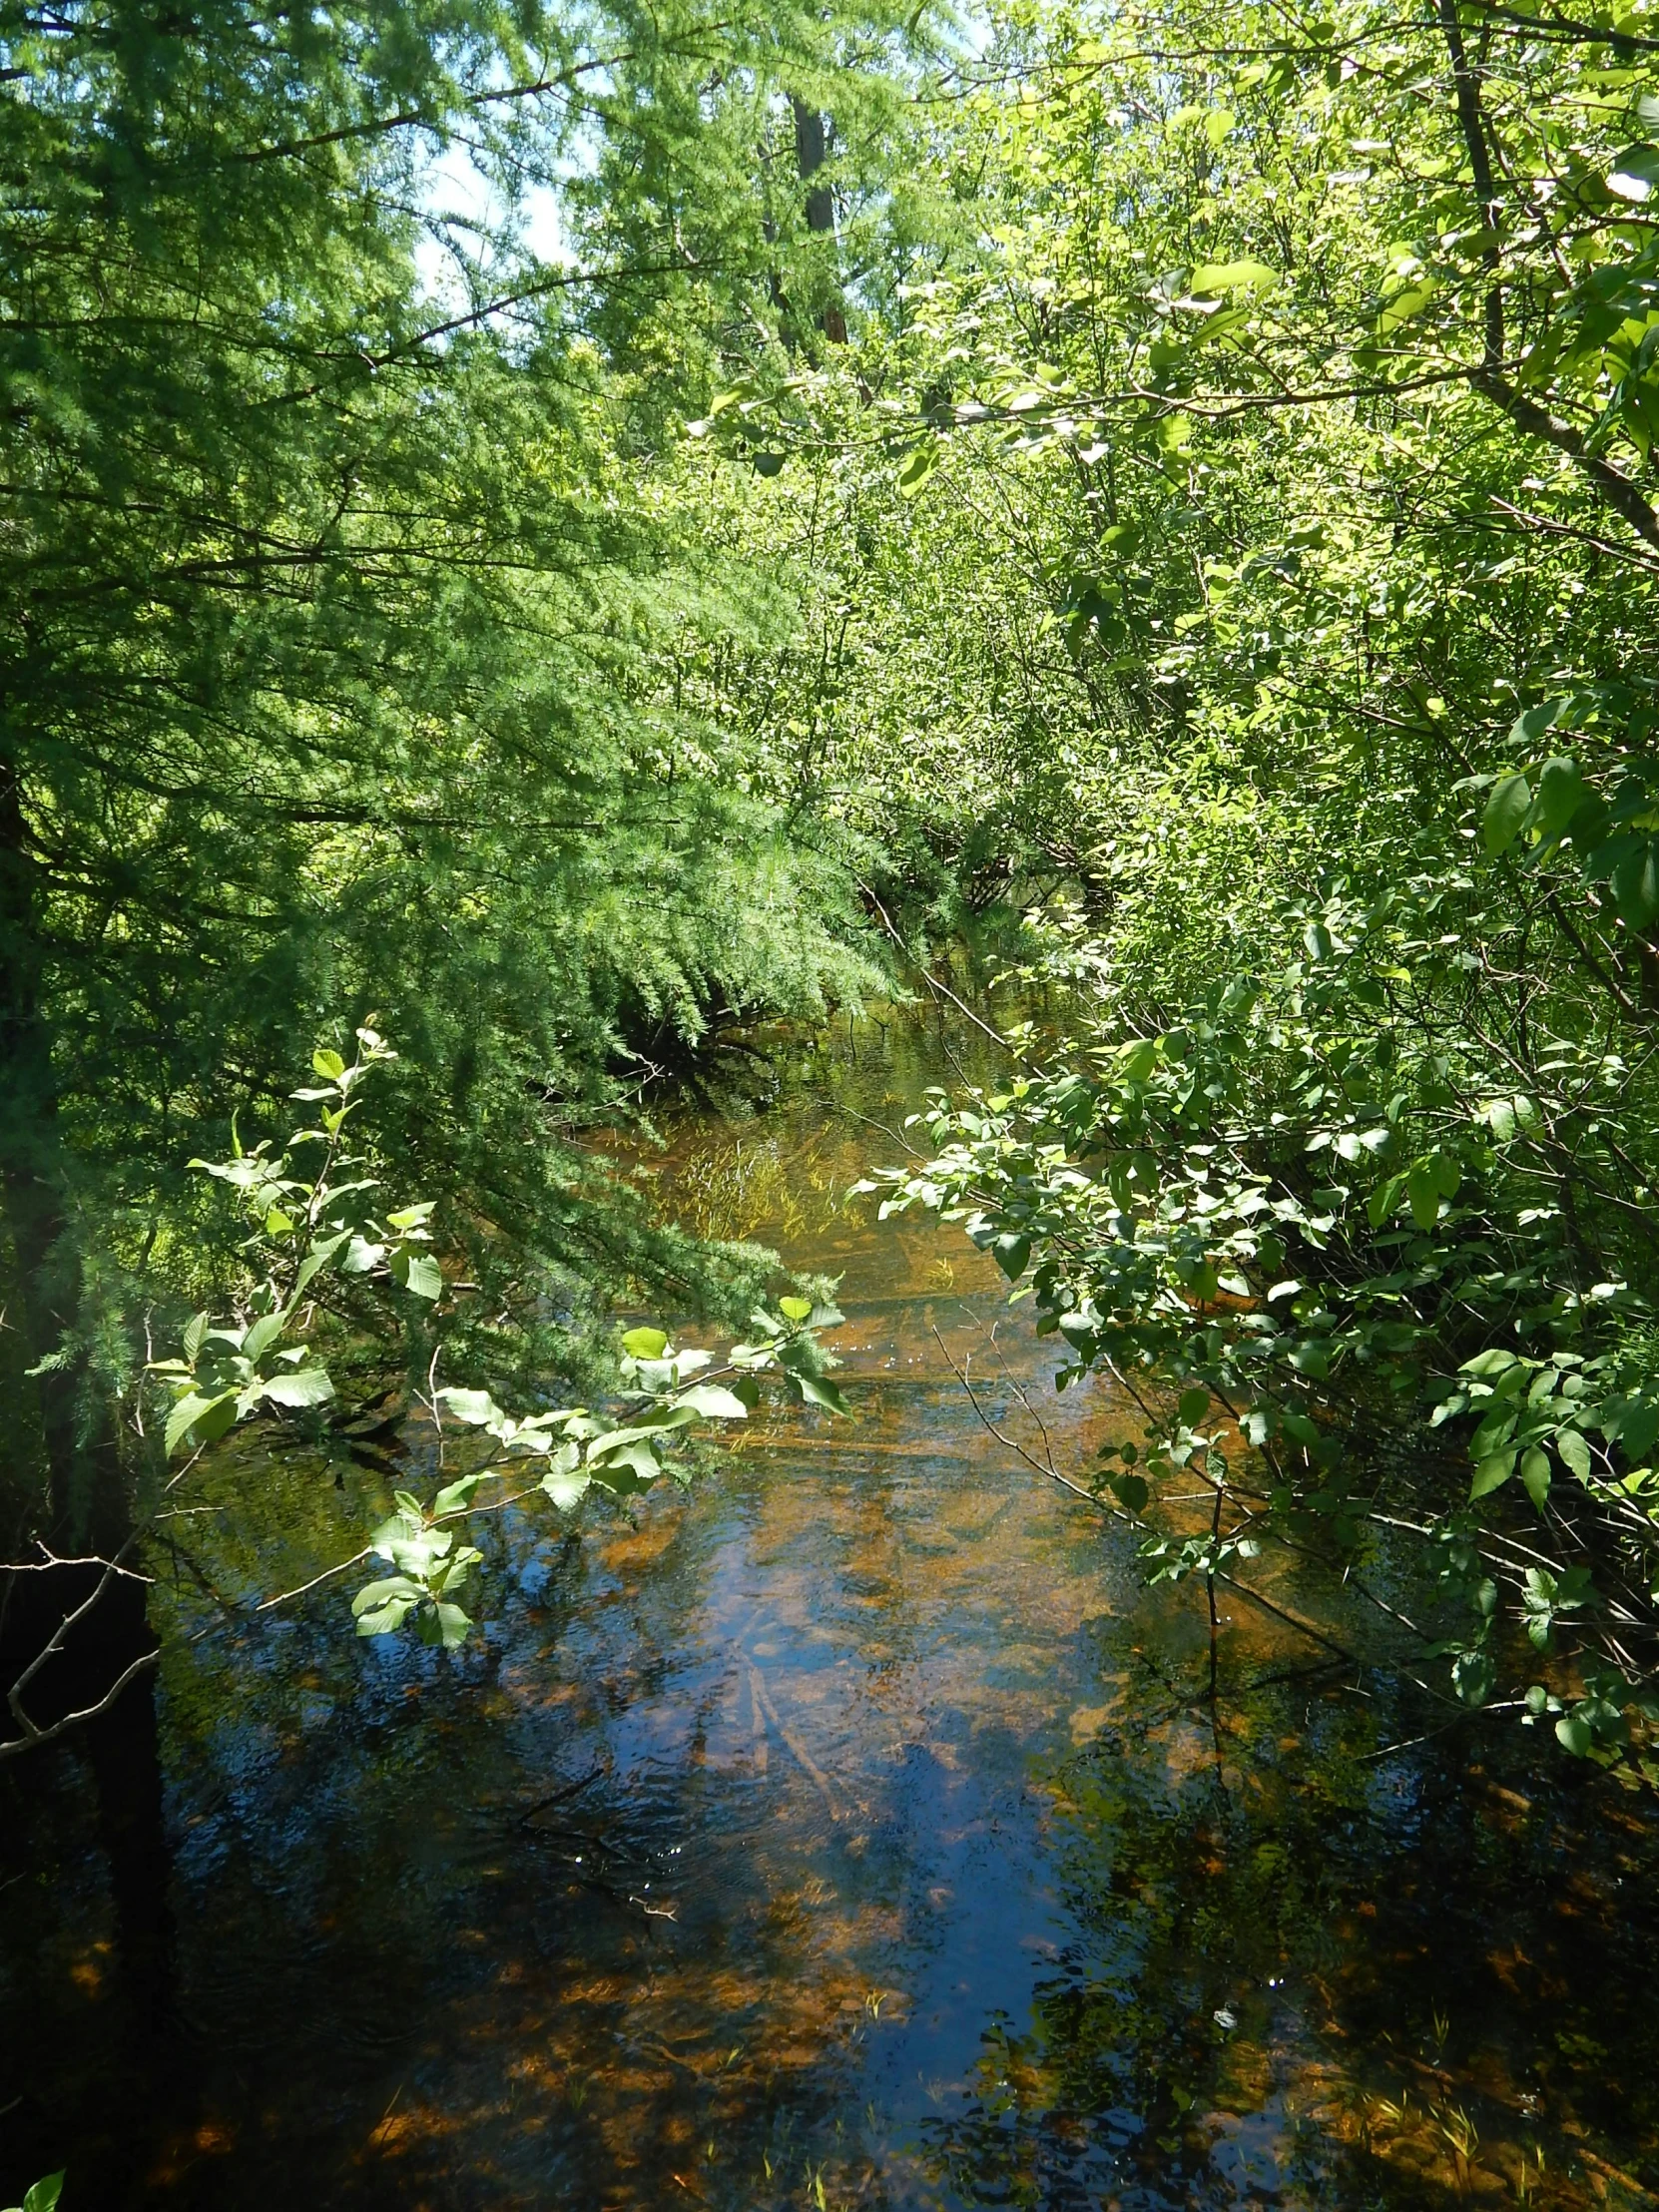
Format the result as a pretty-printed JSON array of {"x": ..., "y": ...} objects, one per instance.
[{"x": 854, "y": 1831}]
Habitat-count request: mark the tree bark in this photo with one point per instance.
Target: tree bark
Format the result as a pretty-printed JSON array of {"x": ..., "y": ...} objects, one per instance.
[
  {"x": 1489, "y": 379},
  {"x": 810, "y": 152}
]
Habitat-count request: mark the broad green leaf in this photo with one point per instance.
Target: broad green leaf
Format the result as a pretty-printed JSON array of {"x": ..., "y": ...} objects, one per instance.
[
  {"x": 795, "y": 1309},
  {"x": 1011, "y": 1253},
  {"x": 1635, "y": 174},
  {"x": 389, "y": 1586},
  {"x": 1245, "y": 276},
  {"x": 1562, "y": 791},
  {"x": 1492, "y": 1473},
  {"x": 1490, "y": 1364},
  {"x": 1534, "y": 1474},
  {"x": 714, "y": 1403},
  {"x": 1423, "y": 1187},
  {"x": 308, "y": 1385},
  {"x": 1501, "y": 1118},
  {"x": 566, "y": 1485},
  {"x": 454, "y": 1498},
  {"x": 262, "y": 1333},
  {"x": 1195, "y": 1404},
  {"x": 1575, "y": 1734},
  {"x": 1530, "y": 726},
  {"x": 1506, "y": 810},
  {"x": 388, "y": 1617},
  {"x": 612, "y": 1459},
  {"x": 1636, "y": 884},
  {"x": 1575, "y": 1453},
  {"x": 1354, "y": 1144},
  {"x": 817, "y": 1390},
  {"x": 476, "y": 1408},
  {"x": 382, "y": 1606},
  {"x": 1079, "y": 1332},
  {"x": 1382, "y": 1202},
  {"x": 647, "y": 1420},
  {"x": 1472, "y": 1676},
  {"x": 444, "y": 1625},
  {"x": 327, "y": 1065},
  {"x": 419, "y": 1273},
  {"x": 317, "y": 1259},
  {"x": 42, "y": 2196},
  {"x": 1405, "y": 306},
  {"x": 205, "y": 1418},
  {"x": 919, "y": 464},
  {"x": 645, "y": 1344},
  {"x": 1494, "y": 1432}
]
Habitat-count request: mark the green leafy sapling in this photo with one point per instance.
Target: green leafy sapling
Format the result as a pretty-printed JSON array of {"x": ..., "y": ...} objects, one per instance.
[
  {"x": 314, "y": 1213},
  {"x": 1284, "y": 1206},
  {"x": 668, "y": 1394},
  {"x": 303, "y": 1224}
]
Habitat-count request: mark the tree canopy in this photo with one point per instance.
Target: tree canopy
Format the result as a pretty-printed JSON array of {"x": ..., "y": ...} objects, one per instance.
[{"x": 1166, "y": 489}]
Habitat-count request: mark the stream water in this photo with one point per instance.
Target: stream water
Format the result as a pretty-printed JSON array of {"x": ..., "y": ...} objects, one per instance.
[{"x": 855, "y": 1830}]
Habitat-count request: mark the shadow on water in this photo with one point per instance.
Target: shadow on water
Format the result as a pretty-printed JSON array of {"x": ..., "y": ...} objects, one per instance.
[{"x": 854, "y": 1831}]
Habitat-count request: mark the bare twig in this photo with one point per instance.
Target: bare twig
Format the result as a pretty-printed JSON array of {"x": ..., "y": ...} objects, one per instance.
[
  {"x": 282, "y": 1598},
  {"x": 943, "y": 990}
]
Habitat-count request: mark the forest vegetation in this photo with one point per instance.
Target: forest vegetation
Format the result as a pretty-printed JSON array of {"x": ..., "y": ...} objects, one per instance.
[{"x": 537, "y": 538}]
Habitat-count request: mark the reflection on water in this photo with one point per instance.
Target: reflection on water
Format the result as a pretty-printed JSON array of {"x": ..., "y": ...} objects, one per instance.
[{"x": 852, "y": 1832}]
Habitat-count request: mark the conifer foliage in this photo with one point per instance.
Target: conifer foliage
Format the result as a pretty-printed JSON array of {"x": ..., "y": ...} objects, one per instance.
[{"x": 335, "y": 615}]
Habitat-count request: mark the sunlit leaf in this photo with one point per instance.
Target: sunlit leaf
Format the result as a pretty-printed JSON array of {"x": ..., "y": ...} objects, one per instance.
[
  {"x": 307, "y": 1386},
  {"x": 476, "y": 1408},
  {"x": 645, "y": 1344},
  {"x": 714, "y": 1403},
  {"x": 1492, "y": 1473}
]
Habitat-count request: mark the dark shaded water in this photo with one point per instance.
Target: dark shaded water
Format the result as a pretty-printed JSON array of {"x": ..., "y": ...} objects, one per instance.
[{"x": 854, "y": 1831}]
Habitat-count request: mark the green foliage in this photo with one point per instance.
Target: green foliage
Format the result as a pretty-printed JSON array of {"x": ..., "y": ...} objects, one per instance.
[
  {"x": 1302, "y": 1204},
  {"x": 1294, "y": 404},
  {"x": 301, "y": 1226},
  {"x": 344, "y": 591},
  {"x": 1189, "y": 476},
  {"x": 320, "y": 1254},
  {"x": 43, "y": 2195}
]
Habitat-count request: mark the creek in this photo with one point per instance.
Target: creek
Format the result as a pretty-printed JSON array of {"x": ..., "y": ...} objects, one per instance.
[{"x": 854, "y": 1829}]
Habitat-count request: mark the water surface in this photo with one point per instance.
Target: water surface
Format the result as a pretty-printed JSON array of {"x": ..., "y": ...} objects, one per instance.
[{"x": 854, "y": 1831}]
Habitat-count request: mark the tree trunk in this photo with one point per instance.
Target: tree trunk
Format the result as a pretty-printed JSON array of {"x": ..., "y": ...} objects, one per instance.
[{"x": 811, "y": 151}]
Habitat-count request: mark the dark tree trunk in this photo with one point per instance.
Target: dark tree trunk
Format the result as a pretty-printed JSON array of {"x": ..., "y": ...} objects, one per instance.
[
  {"x": 86, "y": 1502},
  {"x": 810, "y": 152}
]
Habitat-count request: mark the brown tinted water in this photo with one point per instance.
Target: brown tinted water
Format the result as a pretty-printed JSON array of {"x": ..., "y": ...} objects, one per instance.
[{"x": 854, "y": 1831}]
